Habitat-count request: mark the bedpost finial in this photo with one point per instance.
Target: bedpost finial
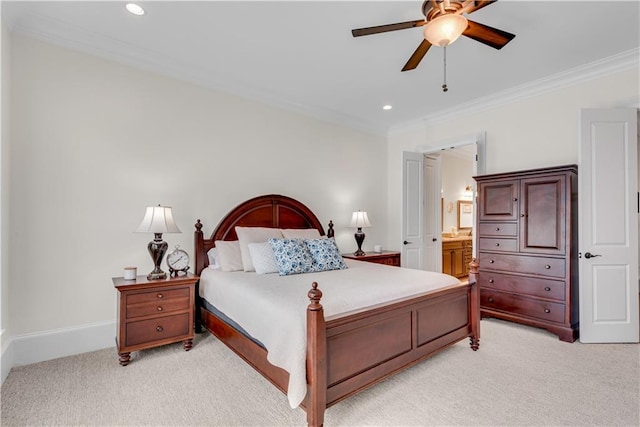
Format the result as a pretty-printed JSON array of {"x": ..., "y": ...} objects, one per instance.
[
  {"x": 315, "y": 295},
  {"x": 198, "y": 226},
  {"x": 330, "y": 232},
  {"x": 473, "y": 266}
]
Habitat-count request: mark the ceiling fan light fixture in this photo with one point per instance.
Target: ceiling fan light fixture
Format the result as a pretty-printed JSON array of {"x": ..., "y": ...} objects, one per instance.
[{"x": 445, "y": 29}]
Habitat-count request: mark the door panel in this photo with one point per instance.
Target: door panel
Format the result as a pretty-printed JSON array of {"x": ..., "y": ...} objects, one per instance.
[
  {"x": 412, "y": 202},
  {"x": 608, "y": 183}
]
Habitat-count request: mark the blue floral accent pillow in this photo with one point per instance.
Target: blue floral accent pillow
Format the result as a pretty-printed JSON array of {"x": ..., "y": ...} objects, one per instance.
[
  {"x": 325, "y": 254},
  {"x": 292, "y": 256}
]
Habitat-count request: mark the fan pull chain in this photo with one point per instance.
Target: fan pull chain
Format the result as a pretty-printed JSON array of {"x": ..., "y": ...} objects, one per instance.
[{"x": 444, "y": 86}]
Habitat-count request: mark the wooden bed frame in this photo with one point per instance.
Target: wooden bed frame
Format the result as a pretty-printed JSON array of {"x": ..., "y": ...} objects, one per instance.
[{"x": 352, "y": 351}]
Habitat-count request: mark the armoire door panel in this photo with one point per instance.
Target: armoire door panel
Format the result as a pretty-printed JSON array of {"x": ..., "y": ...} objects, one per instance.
[
  {"x": 499, "y": 201},
  {"x": 542, "y": 225}
]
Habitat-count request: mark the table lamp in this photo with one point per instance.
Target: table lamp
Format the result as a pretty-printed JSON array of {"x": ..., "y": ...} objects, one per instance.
[
  {"x": 359, "y": 219},
  {"x": 157, "y": 220}
]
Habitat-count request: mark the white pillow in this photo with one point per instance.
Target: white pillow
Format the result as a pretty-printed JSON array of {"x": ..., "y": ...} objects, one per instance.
[
  {"x": 263, "y": 258},
  {"x": 248, "y": 235},
  {"x": 214, "y": 258},
  {"x": 229, "y": 253},
  {"x": 300, "y": 233}
]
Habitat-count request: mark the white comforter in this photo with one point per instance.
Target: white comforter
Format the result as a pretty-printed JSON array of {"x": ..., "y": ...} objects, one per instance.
[{"x": 272, "y": 308}]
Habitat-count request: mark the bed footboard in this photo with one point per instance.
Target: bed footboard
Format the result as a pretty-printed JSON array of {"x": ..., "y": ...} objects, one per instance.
[{"x": 348, "y": 353}]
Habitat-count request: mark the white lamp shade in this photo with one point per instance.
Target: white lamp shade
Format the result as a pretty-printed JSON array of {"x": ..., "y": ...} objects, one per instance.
[
  {"x": 445, "y": 29},
  {"x": 360, "y": 219},
  {"x": 158, "y": 219}
]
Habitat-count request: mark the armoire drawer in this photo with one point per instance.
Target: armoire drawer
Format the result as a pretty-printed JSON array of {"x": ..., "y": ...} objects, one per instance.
[
  {"x": 498, "y": 229},
  {"x": 499, "y": 245},
  {"x": 545, "y": 288},
  {"x": 510, "y": 303},
  {"x": 540, "y": 266}
]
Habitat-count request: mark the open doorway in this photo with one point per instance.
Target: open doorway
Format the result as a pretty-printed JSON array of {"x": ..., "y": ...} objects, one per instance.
[
  {"x": 457, "y": 209},
  {"x": 423, "y": 205}
]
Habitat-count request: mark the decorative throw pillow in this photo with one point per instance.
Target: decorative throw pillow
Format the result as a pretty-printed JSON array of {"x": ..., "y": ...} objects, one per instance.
[
  {"x": 263, "y": 258},
  {"x": 325, "y": 254},
  {"x": 292, "y": 255},
  {"x": 248, "y": 235},
  {"x": 300, "y": 233},
  {"x": 229, "y": 253}
]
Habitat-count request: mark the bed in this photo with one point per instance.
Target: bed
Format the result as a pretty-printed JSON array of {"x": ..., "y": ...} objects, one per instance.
[{"x": 347, "y": 351}]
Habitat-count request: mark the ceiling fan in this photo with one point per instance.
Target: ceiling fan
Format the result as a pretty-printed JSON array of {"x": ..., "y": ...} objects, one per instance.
[{"x": 444, "y": 23}]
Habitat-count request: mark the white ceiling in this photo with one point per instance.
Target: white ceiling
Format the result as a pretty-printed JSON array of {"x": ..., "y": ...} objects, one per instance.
[{"x": 301, "y": 55}]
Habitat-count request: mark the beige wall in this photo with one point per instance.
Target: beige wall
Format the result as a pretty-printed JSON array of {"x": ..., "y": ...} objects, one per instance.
[
  {"x": 534, "y": 132},
  {"x": 94, "y": 142}
]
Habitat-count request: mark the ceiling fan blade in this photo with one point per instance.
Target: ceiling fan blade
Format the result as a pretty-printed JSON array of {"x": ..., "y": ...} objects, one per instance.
[
  {"x": 488, "y": 35},
  {"x": 478, "y": 5},
  {"x": 417, "y": 56},
  {"x": 385, "y": 28}
]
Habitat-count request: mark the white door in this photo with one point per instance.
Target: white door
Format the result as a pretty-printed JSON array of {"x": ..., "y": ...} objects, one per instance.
[
  {"x": 608, "y": 226},
  {"x": 432, "y": 213},
  {"x": 412, "y": 210}
]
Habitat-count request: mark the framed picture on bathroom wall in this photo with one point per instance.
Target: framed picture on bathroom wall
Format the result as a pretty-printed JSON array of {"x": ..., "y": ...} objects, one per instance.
[{"x": 465, "y": 214}]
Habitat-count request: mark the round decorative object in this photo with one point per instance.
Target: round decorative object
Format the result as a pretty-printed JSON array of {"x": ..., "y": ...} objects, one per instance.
[{"x": 178, "y": 260}]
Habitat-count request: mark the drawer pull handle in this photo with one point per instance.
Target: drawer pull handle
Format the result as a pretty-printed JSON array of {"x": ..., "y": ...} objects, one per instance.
[
  {"x": 546, "y": 288},
  {"x": 547, "y": 267},
  {"x": 159, "y": 308},
  {"x": 491, "y": 261},
  {"x": 546, "y": 310},
  {"x": 490, "y": 280},
  {"x": 160, "y": 295},
  {"x": 497, "y": 244},
  {"x": 490, "y": 299},
  {"x": 159, "y": 329}
]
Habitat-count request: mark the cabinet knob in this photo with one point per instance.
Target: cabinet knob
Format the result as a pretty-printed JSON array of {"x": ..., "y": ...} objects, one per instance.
[
  {"x": 160, "y": 295},
  {"x": 159, "y": 308},
  {"x": 546, "y": 288},
  {"x": 159, "y": 328},
  {"x": 515, "y": 199},
  {"x": 491, "y": 261},
  {"x": 497, "y": 244},
  {"x": 548, "y": 267},
  {"x": 497, "y": 228},
  {"x": 490, "y": 299},
  {"x": 491, "y": 280},
  {"x": 521, "y": 215},
  {"x": 546, "y": 310}
]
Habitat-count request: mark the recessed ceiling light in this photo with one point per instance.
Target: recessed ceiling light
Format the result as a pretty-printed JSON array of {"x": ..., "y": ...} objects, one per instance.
[
  {"x": 135, "y": 9},
  {"x": 387, "y": 107}
]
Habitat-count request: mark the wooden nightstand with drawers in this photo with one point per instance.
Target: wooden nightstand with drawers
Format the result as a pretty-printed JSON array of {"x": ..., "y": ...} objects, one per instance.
[
  {"x": 152, "y": 313},
  {"x": 384, "y": 257}
]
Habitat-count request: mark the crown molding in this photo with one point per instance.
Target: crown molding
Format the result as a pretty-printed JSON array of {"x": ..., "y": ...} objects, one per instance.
[
  {"x": 148, "y": 60},
  {"x": 611, "y": 65}
]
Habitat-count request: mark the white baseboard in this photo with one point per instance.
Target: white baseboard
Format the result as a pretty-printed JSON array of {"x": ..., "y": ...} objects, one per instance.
[
  {"x": 41, "y": 346},
  {"x": 6, "y": 355}
]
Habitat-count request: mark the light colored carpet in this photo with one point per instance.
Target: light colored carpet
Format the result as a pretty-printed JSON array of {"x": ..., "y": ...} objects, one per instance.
[{"x": 520, "y": 376}]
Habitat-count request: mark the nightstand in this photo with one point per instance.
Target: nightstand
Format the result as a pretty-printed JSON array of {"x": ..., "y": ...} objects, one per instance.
[
  {"x": 384, "y": 257},
  {"x": 152, "y": 313}
]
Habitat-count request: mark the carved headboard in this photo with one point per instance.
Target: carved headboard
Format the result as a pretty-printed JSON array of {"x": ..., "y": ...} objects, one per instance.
[{"x": 271, "y": 210}]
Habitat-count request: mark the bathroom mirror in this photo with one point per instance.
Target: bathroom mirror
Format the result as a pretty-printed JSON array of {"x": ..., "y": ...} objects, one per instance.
[{"x": 465, "y": 214}]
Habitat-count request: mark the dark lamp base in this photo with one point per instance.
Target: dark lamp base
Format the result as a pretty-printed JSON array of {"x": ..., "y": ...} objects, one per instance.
[
  {"x": 359, "y": 239},
  {"x": 156, "y": 275},
  {"x": 157, "y": 249}
]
